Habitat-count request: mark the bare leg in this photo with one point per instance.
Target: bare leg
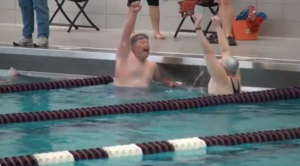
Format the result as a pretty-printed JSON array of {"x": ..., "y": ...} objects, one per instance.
[
  {"x": 154, "y": 12},
  {"x": 226, "y": 12}
]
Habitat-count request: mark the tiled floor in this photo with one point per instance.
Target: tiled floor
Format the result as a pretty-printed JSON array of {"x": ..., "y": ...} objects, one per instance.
[{"x": 185, "y": 43}]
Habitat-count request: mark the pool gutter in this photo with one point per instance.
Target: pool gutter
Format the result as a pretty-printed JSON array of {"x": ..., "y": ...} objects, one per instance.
[{"x": 256, "y": 72}]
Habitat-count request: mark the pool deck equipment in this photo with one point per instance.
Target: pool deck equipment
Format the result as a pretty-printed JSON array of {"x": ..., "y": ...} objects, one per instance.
[
  {"x": 167, "y": 105},
  {"x": 264, "y": 63},
  {"x": 141, "y": 149},
  {"x": 71, "y": 83}
]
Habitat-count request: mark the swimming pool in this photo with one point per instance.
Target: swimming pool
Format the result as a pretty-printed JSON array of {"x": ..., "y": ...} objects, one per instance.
[{"x": 82, "y": 133}]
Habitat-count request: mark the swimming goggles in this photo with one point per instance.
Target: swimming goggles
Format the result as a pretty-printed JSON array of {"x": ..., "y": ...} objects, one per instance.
[{"x": 138, "y": 37}]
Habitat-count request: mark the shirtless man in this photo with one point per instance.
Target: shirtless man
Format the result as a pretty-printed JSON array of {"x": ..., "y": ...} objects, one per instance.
[
  {"x": 225, "y": 74},
  {"x": 132, "y": 67}
]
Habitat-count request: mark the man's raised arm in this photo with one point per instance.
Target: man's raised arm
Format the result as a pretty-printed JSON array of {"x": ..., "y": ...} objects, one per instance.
[{"x": 125, "y": 46}]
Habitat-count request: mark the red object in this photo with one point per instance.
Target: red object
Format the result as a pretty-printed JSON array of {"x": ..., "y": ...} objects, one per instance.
[
  {"x": 187, "y": 7},
  {"x": 255, "y": 24},
  {"x": 251, "y": 12},
  {"x": 241, "y": 30}
]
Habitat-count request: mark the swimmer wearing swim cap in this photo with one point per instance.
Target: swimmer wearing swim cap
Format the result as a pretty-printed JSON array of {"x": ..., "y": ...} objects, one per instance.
[
  {"x": 132, "y": 67},
  {"x": 225, "y": 75}
]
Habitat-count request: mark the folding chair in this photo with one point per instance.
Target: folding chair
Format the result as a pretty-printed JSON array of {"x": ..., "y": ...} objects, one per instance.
[
  {"x": 210, "y": 4},
  {"x": 72, "y": 23}
]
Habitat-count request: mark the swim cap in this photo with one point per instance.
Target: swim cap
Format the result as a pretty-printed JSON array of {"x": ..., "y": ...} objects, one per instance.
[
  {"x": 137, "y": 37},
  {"x": 230, "y": 64}
]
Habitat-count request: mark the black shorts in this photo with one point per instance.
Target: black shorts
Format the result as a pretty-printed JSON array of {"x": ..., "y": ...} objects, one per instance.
[{"x": 150, "y": 2}]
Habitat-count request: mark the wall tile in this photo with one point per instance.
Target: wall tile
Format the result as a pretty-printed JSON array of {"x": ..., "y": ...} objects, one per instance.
[
  {"x": 97, "y": 19},
  {"x": 272, "y": 28},
  {"x": 143, "y": 23},
  {"x": 169, "y": 24},
  {"x": 291, "y": 29},
  {"x": 273, "y": 11},
  {"x": 7, "y": 16},
  {"x": 70, "y": 7},
  {"x": 291, "y": 13},
  {"x": 7, "y": 4},
  {"x": 56, "y": 18},
  {"x": 114, "y": 7},
  {"x": 291, "y": 2},
  {"x": 96, "y": 7},
  {"x": 115, "y": 21},
  {"x": 52, "y": 5},
  {"x": 270, "y": 1},
  {"x": 18, "y": 17},
  {"x": 63, "y": 20},
  {"x": 249, "y": 1},
  {"x": 169, "y": 8}
]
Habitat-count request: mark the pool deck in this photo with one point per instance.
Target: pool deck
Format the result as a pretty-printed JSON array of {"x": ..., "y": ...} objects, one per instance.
[{"x": 269, "y": 48}]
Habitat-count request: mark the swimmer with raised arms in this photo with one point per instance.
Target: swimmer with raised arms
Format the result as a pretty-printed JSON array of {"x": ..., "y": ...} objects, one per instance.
[
  {"x": 132, "y": 67},
  {"x": 225, "y": 74}
]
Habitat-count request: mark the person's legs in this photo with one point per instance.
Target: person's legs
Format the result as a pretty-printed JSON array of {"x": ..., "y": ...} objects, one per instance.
[
  {"x": 42, "y": 16},
  {"x": 226, "y": 12},
  {"x": 26, "y": 7},
  {"x": 154, "y": 13}
]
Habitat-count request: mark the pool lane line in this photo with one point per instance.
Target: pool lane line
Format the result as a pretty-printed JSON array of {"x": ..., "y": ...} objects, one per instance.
[
  {"x": 70, "y": 83},
  {"x": 141, "y": 149},
  {"x": 157, "y": 106}
]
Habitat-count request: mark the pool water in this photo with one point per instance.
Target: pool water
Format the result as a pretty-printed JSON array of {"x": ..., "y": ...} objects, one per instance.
[
  {"x": 38, "y": 137},
  {"x": 284, "y": 154},
  {"x": 100, "y": 95},
  {"x": 5, "y": 80}
]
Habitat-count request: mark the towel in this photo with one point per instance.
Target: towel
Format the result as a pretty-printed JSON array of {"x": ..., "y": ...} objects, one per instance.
[
  {"x": 255, "y": 24},
  {"x": 249, "y": 12},
  {"x": 263, "y": 15}
]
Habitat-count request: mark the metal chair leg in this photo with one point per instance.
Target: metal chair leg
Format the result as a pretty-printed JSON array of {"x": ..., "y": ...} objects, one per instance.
[{"x": 179, "y": 27}]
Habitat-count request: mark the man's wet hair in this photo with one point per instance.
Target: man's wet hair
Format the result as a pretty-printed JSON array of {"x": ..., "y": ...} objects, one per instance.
[{"x": 137, "y": 37}]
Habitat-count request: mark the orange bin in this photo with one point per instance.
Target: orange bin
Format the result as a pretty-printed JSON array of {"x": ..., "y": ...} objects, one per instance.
[{"x": 241, "y": 31}]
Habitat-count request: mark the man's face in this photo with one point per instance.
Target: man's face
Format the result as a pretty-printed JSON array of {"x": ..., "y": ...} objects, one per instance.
[{"x": 140, "y": 46}]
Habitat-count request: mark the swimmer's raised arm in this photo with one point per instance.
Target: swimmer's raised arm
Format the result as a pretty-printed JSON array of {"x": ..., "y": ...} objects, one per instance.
[
  {"x": 208, "y": 50},
  {"x": 125, "y": 46},
  {"x": 221, "y": 37},
  {"x": 158, "y": 76},
  {"x": 215, "y": 69},
  {"x": 223, "y": 41}
]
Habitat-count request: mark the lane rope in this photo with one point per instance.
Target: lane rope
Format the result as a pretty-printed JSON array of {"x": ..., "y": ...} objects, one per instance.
[
  {"x": 141, "y": 149},
  {"x": 158, "y": 106},
  {"x": 71, "y": 83}
]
